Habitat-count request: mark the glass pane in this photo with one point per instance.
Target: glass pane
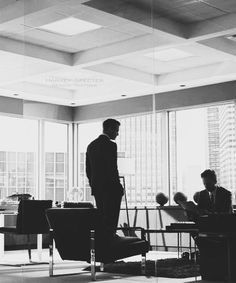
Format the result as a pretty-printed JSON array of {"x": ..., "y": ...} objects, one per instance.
[
  {"x": 2, "y": 166},
  {"x": 59, "y": 157},
  {"x": 56, "y": 160},
  {"x": 59, "y": 194},
  {"x": 18, "y": 146},
  {"x": 2, "y": 156},
  {"x": 87, "y": 133},
  {"x": 49, "y": 167},
  {"x": 140, "y": 156},
  {"x": 49, "y": 157},
  {"x": 203, "y": 138},
  {"x": 60, "y": 167}
]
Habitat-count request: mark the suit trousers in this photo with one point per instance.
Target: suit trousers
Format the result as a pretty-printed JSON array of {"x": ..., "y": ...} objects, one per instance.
[{"x": 108, "y": 205}]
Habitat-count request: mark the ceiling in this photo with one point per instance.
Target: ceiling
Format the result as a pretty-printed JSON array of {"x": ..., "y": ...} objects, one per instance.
[{"x": 142, "y": 47}]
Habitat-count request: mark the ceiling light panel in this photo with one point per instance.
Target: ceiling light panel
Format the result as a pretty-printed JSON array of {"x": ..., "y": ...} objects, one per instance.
[
  {"x": 170, "y": 54},
  {"x": 69, "y": 26}
]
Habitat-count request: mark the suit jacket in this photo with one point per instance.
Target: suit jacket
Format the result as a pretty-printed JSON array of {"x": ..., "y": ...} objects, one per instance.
[
  {"x": 101, "y": 165},
  {"x": 222, "y": 203}
]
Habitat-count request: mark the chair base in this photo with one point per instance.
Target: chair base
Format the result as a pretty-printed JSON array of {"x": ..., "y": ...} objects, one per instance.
[{"x": 23, "y": 264}]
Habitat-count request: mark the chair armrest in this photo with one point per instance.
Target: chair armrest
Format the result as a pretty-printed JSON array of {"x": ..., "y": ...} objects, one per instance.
[
  {"x": 142, "y": 230},
  {"x": 130, "y": 228}
]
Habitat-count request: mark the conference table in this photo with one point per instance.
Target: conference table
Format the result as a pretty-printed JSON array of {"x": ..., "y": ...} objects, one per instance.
[
  {"x": 178, "y": 228},
  {"x": 179, "y": 233}
]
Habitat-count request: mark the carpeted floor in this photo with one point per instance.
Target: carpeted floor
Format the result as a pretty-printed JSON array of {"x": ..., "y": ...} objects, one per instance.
[{"x": 170, "y": 268}]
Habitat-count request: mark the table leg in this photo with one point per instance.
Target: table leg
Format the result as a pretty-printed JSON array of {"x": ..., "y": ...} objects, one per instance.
[
  {"x": 195, "y": 252},
  {"x": 2, "y": 236},
  {"x": 39, "y": 246},
  {"x": 190, "y": 245},
  {"x": 178, "y": 243},
  {"x": 181, "y": 247}
]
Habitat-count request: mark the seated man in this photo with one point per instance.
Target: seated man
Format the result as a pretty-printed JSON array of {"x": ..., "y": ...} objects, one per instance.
[{"x": 214, "y": 199}]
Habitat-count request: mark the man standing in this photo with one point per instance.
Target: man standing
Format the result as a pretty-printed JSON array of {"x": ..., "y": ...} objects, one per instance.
[{"x": 102, "y": 172}]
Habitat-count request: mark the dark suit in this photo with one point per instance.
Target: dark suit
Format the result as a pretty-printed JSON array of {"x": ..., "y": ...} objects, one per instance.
[
  {"x": 213, "y": 255},
  {"x": 102, "y": 172},
  {"x": 222, "y": 201}
]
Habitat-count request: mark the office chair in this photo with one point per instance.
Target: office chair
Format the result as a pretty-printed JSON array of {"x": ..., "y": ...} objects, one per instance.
[
  {"x": 78, "y": 236},
  {"x": 31, "y": 219}
]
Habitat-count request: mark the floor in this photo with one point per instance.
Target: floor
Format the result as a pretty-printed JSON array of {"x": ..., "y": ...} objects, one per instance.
[{"x": 39, "y": 273}]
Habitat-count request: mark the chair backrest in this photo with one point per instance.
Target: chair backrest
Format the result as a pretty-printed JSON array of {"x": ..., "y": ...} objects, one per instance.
[
  {"x": 31, "y": 218},
  {"x": 71, "y": 231},
  {"x": 68, "y": 204}
]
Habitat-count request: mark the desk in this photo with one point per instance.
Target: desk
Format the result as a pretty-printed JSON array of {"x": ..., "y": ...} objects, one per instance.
[
  {"x": 2, "y": 222},
  {"x": 179, "y": 237},
  {"x": 228, "y": 236},
  {"x": 2, "y": 243},
  {"x": 178, "y": 232}
]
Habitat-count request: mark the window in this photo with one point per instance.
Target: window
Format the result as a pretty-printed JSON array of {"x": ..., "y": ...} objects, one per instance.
[
  {"x": 18, "y": 156},
  {"x": 199, "y": 139},
  {"x": 140, "y": 158},
  {"x": 55, "y": 161},
  {"x": 87, "y": 133},
  {"x": 140, "y": 155}
]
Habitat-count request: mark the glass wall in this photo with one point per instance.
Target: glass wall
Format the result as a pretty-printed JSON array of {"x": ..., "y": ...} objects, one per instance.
[
  {"x": 153, "y": 161},
  {"x": 140, "y": 155},
  {"x": 18, "y": 156},
  {"x": 140, "y": 158},
  {"x": 203, "y": 138},
  {"x": 87, "y": 133},
  {"x": 55, "y": 161}
]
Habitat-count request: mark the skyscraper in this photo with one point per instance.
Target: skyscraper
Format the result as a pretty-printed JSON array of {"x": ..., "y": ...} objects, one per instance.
[
  {"x": 228, "y": 147},
  {"x": 213, "y": 136}
]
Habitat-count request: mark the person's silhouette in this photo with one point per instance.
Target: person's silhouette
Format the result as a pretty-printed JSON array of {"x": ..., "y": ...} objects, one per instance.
[{"x": 102, "y": 172}]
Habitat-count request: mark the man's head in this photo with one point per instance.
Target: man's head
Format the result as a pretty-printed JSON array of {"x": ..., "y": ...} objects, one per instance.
[
  {"x": 111, "y": 128},
  {"x": 209, "y": 179}
]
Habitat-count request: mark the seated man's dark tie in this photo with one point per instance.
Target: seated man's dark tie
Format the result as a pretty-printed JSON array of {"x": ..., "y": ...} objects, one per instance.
[{"x": 212, "y": 201}]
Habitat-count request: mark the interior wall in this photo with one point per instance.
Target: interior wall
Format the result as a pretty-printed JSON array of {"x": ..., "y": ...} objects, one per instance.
[
  {"x": 196, "y": 96},
  {"x": 11, "y": 105},
  {"x": 163, "y": 101},
  {"x": 47, "y": 111},
  {"x": 24, "y": 108},
  {"x": 113, "y": 108}
]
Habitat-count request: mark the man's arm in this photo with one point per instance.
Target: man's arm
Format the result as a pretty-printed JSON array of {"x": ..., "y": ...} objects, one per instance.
[
  {"x": 88, "y": 168},
  {"x": 114, "y": 174},
  {"x": 114, "y": 168},
  {"x": 229, "y": 206}
]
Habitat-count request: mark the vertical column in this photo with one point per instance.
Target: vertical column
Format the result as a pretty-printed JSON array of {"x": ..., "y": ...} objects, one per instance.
[
  {"x": 70, "y": 159},
  {"x": 1, "y": 235},
  {"x": 41, "y": 161},
  {"x": 165, "y": 154},
  {"x": 41, "y": 177}
]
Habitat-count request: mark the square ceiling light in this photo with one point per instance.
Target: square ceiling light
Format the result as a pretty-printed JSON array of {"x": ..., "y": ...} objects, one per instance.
[
  {"x": 170, "y": 54},
  {"x": 69, "y": 26}
]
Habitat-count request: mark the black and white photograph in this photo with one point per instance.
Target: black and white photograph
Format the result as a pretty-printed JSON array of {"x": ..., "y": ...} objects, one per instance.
[{"x": 117, "y": 141}]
